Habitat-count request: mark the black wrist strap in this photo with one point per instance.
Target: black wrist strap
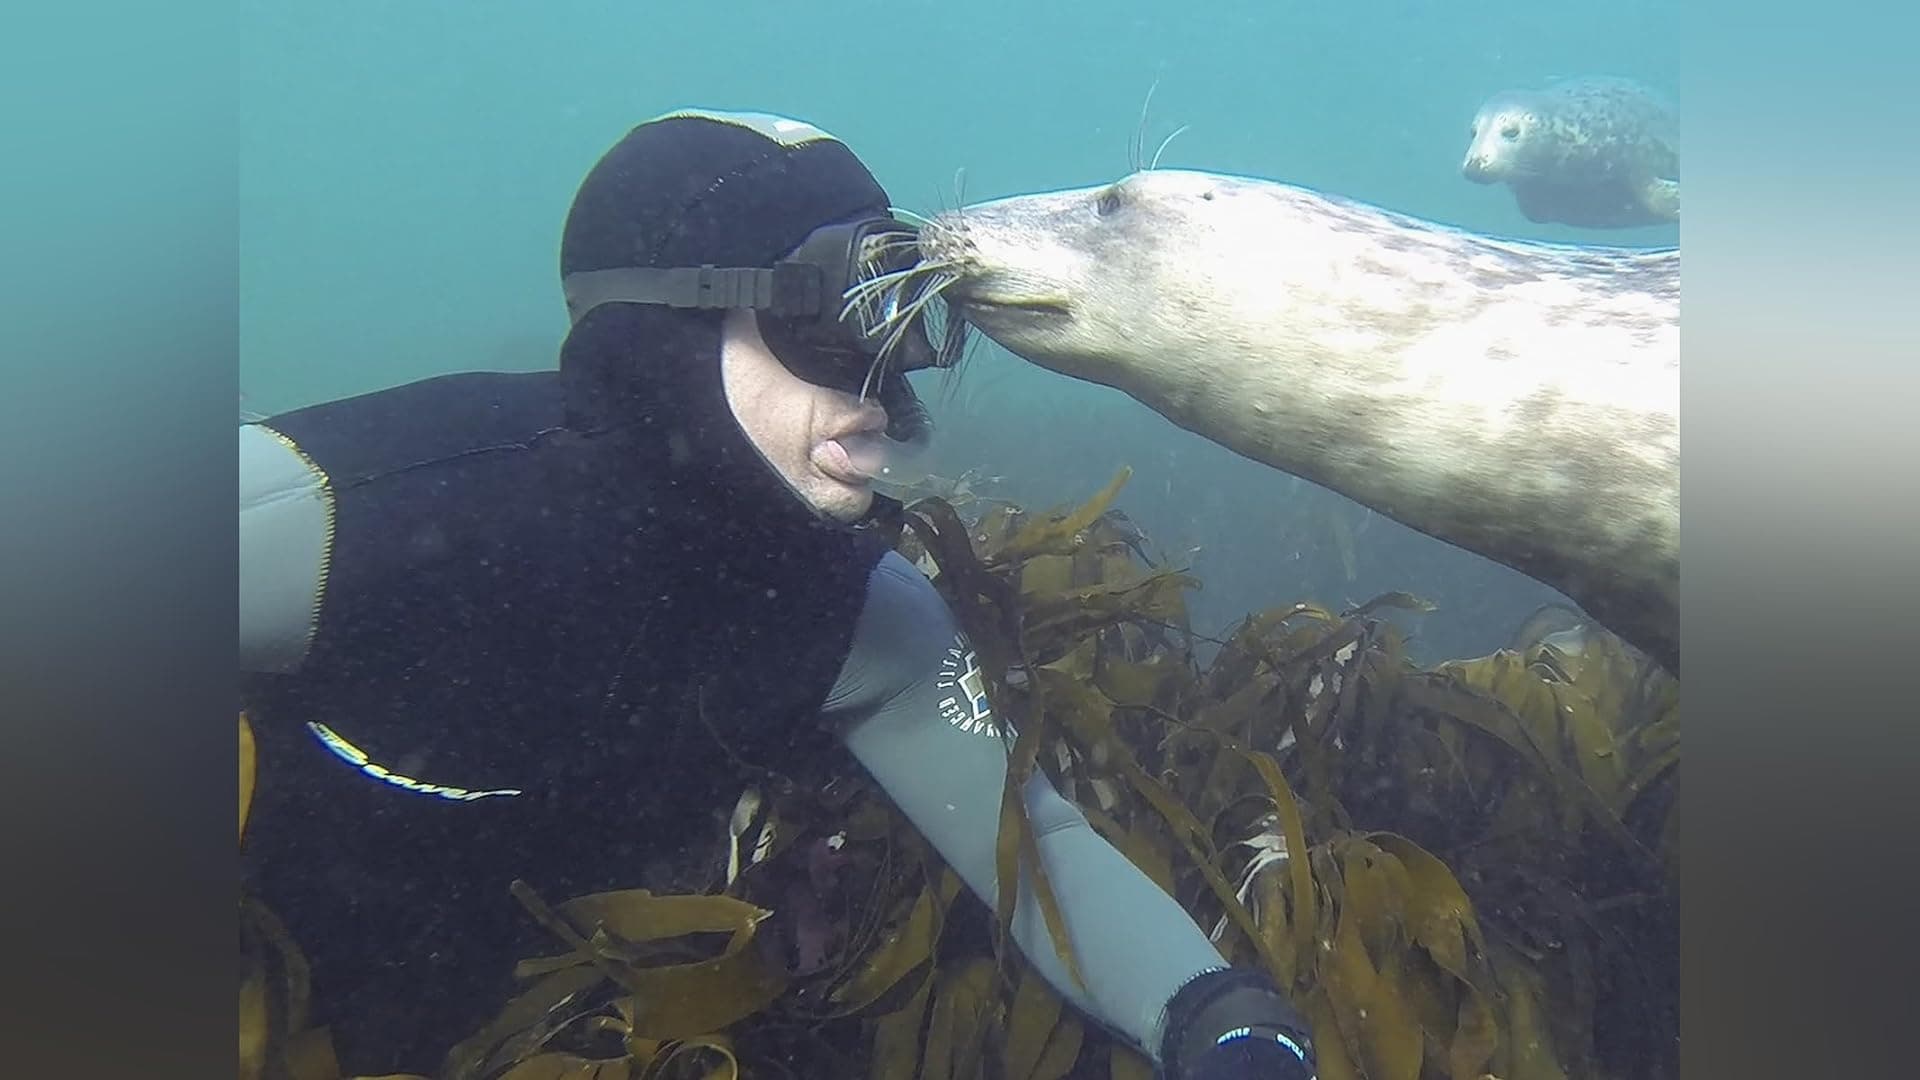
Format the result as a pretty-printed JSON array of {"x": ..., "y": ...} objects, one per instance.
[{"x": 1224, "y": 1005}]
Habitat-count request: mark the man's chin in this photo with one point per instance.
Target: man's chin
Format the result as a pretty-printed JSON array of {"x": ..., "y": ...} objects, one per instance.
[{"x": 846, "y": 503}]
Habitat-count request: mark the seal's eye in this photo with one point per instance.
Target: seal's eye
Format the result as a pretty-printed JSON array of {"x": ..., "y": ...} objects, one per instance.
[
  {"x": 1108, "y": 202},
  {"x": 1511, "y": 131}
]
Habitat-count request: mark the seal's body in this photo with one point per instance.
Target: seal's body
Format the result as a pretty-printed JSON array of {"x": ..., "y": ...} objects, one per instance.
[
  {"x": 1519, "y": 400},
  {"x": 1597, "y": 152}
]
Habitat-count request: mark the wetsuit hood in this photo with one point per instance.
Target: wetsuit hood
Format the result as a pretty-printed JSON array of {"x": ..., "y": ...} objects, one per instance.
[
  {"x": 684, "y": 191},
  {"x": 688, "y": 189},
  {"x": 644, "y": 381}
]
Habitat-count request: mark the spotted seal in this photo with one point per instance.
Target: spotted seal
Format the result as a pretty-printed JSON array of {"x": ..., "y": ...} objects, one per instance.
[
  {"x": 1520, "y": 400},
  {"x": 1597, "y": 152}
]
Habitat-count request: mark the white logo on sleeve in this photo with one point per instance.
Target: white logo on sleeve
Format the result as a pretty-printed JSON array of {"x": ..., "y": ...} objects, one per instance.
[{"x": 965, "y": 705}]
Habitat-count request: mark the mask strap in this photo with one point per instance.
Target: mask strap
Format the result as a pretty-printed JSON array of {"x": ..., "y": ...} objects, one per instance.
[{"x": 789, "y": 289}]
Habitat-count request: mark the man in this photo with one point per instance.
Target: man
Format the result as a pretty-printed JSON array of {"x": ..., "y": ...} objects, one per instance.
[{"x": 513, "y": 625}]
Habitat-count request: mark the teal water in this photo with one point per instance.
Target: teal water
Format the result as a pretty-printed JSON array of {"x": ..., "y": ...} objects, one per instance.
[{"x": 405, "y": 169}]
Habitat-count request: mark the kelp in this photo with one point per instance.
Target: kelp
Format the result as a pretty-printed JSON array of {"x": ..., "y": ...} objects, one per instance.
[
  {"x": 1457, "y": 872},
  {"x": 276, "y": 1040}
]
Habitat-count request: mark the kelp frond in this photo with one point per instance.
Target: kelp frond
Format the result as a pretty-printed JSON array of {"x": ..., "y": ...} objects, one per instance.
[{"x": 1458, "y": 872}]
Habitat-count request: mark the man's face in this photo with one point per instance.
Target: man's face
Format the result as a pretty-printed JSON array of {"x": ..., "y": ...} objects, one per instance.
[{"x": 795, "y": 424}]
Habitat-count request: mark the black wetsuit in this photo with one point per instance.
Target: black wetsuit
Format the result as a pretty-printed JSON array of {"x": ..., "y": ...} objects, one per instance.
[{"x": 486, "y": 645}]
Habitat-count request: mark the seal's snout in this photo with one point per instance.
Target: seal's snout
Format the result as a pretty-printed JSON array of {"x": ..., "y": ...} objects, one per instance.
[
  {"x": 985, "y": 270},
  {"x": 1477, "y": 169},
  {"x": 950, "y": 245},
  {"x": 944, "y": 239}
]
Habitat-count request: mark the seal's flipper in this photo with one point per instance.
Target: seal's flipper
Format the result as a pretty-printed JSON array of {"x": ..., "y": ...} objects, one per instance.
[{"x": 1661, "y": 196}]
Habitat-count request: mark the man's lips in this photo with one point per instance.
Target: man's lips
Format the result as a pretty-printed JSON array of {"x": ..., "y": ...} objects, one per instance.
[
  {"x": 855, "y": 453},
  {"x": 832, "y": 458},
  {"x": 860, "y": 456}
]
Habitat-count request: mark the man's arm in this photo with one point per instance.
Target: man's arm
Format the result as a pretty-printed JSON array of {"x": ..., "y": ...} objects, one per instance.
[{"x": 914, "y": 712}]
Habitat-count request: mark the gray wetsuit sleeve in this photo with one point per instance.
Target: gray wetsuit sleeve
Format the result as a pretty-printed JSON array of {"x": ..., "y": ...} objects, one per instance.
[
  {"x": 912, "y": 709},
  {"x": 286, "y": 529}
]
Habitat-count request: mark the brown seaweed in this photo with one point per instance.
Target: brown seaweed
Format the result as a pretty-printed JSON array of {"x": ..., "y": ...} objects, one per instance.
[{"x": 1458, "y": 872}]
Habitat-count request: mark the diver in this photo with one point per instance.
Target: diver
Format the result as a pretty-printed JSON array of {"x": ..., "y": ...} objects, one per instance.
[{"x": 516, "y": 625}]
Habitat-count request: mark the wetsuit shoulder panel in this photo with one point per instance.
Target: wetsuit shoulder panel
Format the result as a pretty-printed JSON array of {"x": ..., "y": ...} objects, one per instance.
[
  {"x": 904, "y": 632},
  {"x": 438, "y": 419},
  {"x": 294, "y": 468},
  {"x": 286, "y": 531}
]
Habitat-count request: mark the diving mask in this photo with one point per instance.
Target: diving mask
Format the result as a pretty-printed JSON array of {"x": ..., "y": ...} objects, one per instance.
[{"x": 843, "y": 309}]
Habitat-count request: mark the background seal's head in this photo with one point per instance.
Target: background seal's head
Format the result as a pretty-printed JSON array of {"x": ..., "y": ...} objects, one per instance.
[
  {"x": 699, "y": 211},
  {"x": 1503, "y": 139}
]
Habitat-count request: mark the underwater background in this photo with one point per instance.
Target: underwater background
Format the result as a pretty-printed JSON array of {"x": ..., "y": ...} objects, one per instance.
[{"x": 406, "y": 167}]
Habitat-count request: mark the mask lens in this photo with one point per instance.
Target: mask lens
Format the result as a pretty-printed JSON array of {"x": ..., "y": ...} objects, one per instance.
[
  {"x": 904, "y": 316},
  {"x": 882, "y": 256},
  {"x": 876, "y": 313}
]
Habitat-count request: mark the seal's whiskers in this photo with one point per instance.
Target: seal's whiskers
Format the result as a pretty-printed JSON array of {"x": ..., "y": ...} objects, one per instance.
[
  {"x": 1155, "y": 163},
  {"x": 1137, "y": 145},
  {"x": 893, "y": 301}
]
